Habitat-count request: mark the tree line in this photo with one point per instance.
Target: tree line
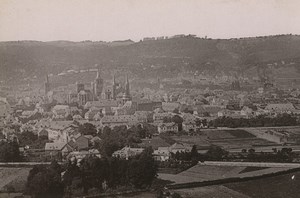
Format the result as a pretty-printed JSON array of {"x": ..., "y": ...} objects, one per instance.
[
  {"x": 259, "y": 121},
  {"x": 91, "y": 174},
  {"x": 216, "y": 153}
]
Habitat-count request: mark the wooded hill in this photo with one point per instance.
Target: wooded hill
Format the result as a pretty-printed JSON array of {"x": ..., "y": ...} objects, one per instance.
[{"x": 19, "y": 59}]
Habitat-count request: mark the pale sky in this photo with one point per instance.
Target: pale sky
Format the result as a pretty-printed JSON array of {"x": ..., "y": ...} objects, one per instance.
[{"x": 109, "y": 20}]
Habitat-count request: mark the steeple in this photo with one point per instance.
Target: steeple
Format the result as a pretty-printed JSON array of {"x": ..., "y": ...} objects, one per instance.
[
  {"x": 126, "y": 95},
  {"x": 114, "y": 87},
  {"x": 114, "y": 79},
  {"x": 47, "y": 85},
  {"x": 127, "y": 81},
  {"x": 97, "y": 85},
  {"x": 127, "y": 91},
  {"x": 98, "y": 73}
]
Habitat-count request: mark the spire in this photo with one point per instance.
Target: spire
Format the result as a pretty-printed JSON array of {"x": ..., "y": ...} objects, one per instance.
[
  {"x": 114, "y": 87},
  {"x": 127, "y": 81},
  {"x": 47, "y": 85},
  {"x": 98, "y": 73},
  {"x": 114, "y": 79},
  {"x": 127, "y": 87}
]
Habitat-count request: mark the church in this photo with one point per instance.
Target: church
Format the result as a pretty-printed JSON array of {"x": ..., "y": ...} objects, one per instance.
[{"x": 82, "y": 95}]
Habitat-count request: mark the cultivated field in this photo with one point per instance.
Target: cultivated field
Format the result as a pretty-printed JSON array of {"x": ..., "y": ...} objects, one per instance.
[
  {"x": 13, "y": 177},
  {"x": 282, "y": 186},
  {"x": 201, "y": 173},
  {"x": 227, "y": 139},
  {"x": 210, "y": 192}
]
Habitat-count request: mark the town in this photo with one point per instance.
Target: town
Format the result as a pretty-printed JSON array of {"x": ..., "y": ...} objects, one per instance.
[
  {"x": 149, "y": 99},
  {"x": 182, "y": 124}
]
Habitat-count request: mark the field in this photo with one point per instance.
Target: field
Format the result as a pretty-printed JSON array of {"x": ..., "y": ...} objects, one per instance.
[
  {"x": 201, "y": 173},
  {"x": 281, "y": 186},
  {"x": 210, "y": 192},
  {"x": 228, "y": 139},
  {"x": 273, "y": 187},
  {"x": 13, "y": 177},
  {"x": 241, "y": 143},
  {"x": 227, "y": 134}
]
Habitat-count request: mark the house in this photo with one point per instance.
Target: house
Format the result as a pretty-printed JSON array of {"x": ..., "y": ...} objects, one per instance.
[
  {"x": 187, "y": 117},
  {"x": 127, "y": 152},
  {"x": 159, "y": 116},
  {"x": 167, "y": 127},
  {"x": 27, "y": 127},
  {"x": 161, "y": 154},
  {"x": 57, "y": 148},
  {"x": 170, "y": 106},
  {"x": 43, "y": 132},
  {"x": 127, "y": 109},
  {"x": 212, "y": 110},
  {"x": 180, "y": 147},
  {"x": 246, "y": 111},
  {"x": 143, "y": 116},
  {"x": 164, "y": 153},
  {"x": 77, "y": 117},
  {"x": 79, "y": 155},
  {"x": 91, "y": 113},
  {"x": 81, "y": 142},
  {"x": 61, "y": 130},
  {"x": 61, "y": 111},
  {"x": 189, "y": 126}
]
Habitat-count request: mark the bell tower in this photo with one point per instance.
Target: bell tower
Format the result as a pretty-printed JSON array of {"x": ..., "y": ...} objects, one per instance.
[
  {"x": 114, "y": 88},
  {"x": 98, "y": 85},
  {"x": 47, "y": 85}
]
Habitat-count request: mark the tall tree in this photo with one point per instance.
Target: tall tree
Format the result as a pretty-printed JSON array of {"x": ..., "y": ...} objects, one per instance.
[
  {"x": 88, "y": 129},
  {"x": 9, "y": 152},
  {"x": 45, "y": 181},
  {"x": 142, "y": 169}
]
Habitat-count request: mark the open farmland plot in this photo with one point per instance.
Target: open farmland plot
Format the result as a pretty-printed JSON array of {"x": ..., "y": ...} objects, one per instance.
[
  {"x": 200, "y": 173},
  {"x": 15, "y": 177},
  {"x": 240, "y": 133},
  {"x": 218, "y": 134},
  {"x": 210, "y": 192},
  {"x": 228, "y": 139},
  {"x": 273, "y": 187},
  {"x": 240, "y": 143}
]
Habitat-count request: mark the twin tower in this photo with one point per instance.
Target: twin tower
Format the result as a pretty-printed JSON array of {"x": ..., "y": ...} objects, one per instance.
[{"x": 112, "y": 93}]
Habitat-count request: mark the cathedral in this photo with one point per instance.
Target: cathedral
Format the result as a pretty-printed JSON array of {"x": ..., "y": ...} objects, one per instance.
[{"x": 95, "y": 93}]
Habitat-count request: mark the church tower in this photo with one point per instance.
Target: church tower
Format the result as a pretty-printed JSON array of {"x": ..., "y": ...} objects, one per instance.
[
  {"x": 126, "y": 96},
  {"x": 98, "y": 85},
  {"x": 127, "y": 87},
  {"x": 114, "y": 88},
  {"x": 47, "y": 85}
]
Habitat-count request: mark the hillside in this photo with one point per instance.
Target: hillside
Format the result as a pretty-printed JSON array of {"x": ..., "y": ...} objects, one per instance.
[{"x": 272, "y": 55}]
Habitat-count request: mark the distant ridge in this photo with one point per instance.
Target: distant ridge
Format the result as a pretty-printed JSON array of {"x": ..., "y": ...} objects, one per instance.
[{"x": 188, "y": 52}]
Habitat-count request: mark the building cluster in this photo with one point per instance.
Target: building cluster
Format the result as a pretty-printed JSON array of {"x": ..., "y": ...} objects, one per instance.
[{"x": 168, "y": 110}]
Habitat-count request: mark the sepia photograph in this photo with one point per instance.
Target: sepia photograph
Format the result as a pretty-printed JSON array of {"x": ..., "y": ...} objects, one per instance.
[{"x": 149, "y": 98}]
